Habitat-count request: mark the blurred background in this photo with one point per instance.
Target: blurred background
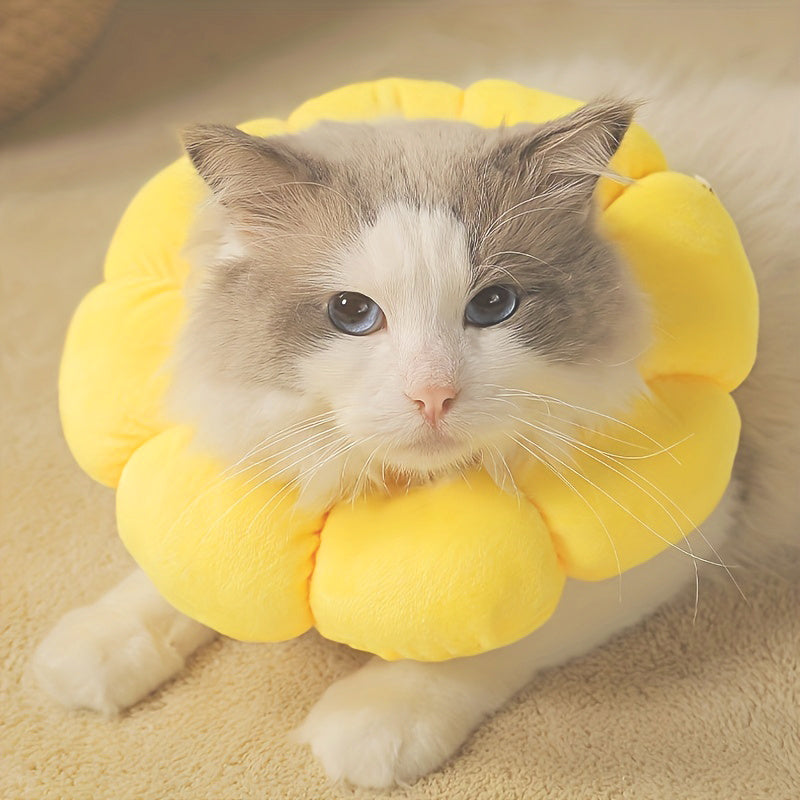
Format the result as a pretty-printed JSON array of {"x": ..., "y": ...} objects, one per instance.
[{"x": 78, "y": 62}]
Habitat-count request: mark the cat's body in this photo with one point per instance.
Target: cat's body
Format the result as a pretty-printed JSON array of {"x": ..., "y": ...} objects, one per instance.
[{"x": 396, "y": 721}]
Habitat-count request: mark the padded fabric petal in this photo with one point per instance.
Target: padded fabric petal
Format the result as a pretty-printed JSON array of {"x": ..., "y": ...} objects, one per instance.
[
  {"x": 225, "y": 549},
  {"x": 643, "y": 482},
  {"x": 686, "y": 254},
  {"x": 476, "y": 575},
  {"x": 151, "y": 234},
  {"x": 112, "y": 380}
]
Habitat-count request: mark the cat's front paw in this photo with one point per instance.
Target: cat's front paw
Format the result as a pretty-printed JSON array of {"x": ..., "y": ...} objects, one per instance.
[
  {"x": 102, "y": 658},
  {"x": 388, "y": 724}
]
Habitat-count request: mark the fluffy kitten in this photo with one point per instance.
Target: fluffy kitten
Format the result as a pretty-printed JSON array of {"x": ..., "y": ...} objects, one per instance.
[
  {"x": 376, "y": 300},
  {"x": 383, "y": 304}
]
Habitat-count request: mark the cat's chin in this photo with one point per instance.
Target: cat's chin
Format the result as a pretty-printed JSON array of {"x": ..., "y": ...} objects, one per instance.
[{"x": 431, "y": 454}]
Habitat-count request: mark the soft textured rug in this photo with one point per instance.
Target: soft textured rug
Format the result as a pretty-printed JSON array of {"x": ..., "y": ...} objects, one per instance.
[{"x": 674, "y": 708}]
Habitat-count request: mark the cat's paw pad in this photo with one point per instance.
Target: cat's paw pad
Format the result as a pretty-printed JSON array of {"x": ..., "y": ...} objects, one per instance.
[
  {"x": 376, "y": 729},
  {"x": 102, "y": 658}
]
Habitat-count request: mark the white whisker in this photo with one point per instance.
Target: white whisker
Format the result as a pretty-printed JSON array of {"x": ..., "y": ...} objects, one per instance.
[
  {"x": 549, "y": 398},
  {"x": 675, "y": 506},
  {"x": 261, "y": 484},
  {"x": 631, "y": 514},
  {"x": 578, "y": 493}
]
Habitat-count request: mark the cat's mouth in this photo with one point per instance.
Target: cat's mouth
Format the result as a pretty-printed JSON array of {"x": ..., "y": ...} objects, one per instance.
[
  {"x": 433, "y": 451},
  {"x": 430, "y": 439}
]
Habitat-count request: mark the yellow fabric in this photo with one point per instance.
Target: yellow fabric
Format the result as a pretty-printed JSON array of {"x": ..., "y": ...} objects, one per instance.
[{"x": 446, "y": 570}]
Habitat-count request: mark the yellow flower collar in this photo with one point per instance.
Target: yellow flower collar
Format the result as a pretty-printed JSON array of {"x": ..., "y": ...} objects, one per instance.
[{"x": 450, "y": 569}]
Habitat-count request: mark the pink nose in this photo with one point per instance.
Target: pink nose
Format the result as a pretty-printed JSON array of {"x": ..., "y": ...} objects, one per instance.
[{"x": 434, "y": 401}]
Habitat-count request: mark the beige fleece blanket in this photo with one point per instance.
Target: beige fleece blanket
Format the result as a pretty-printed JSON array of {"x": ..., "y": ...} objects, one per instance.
[{"x": 671, "y": 709}]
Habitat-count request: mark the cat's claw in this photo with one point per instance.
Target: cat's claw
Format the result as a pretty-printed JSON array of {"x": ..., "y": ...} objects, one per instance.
[{"x": 387, "y": 724}]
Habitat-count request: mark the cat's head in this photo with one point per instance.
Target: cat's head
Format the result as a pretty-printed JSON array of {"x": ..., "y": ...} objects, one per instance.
[{"x": 388, "y": 302}]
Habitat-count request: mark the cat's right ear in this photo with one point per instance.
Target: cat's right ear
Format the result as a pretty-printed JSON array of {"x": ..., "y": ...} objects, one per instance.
[
  {"x": 566, "y": 157},
  {"x": 246, "y": 171}
]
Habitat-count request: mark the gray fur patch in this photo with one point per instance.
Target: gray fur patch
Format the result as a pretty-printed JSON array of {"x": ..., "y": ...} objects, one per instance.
[{"x": 295, "y": 202}]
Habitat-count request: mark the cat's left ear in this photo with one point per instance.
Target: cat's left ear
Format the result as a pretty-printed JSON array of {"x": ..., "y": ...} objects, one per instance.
[
  {"x": 566, "y": 157},
  {"x": 250, "y": 174}
]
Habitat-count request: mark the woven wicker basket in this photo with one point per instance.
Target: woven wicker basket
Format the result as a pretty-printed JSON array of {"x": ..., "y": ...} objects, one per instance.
[{"x": 41, "y": 44}]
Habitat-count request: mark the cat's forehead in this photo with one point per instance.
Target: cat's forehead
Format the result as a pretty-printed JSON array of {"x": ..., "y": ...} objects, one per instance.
[
  {"x": 424, "y": 163},
  {"x": 411, "y": 260}
]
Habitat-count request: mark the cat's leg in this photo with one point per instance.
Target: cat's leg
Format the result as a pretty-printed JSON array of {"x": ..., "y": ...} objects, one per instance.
[
  {"x": 396, "y": 721},
  {"x": 109, "y": 655}
]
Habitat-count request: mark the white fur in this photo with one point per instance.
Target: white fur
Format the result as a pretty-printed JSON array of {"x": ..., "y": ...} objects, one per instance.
[
  {"x": 109, "y": 655},
  {"x": 415, "y": 264}
]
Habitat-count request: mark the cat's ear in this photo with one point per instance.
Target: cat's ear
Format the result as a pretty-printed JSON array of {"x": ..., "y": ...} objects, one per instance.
[
  {"x": 568, "y": 155},
  {"x": 246, "y": 172}
]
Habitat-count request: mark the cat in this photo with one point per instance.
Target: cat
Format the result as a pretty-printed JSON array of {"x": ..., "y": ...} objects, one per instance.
[{"x": 365, "y": 298}]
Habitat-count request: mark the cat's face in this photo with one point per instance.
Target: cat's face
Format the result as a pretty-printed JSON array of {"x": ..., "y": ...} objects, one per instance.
[{"x": 380, "y": 304}]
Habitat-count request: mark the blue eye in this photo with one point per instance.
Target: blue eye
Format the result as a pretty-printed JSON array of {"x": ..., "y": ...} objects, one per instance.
[
  {"x": 355, "y": 313},
  {"x": 490, "y": 306}
]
